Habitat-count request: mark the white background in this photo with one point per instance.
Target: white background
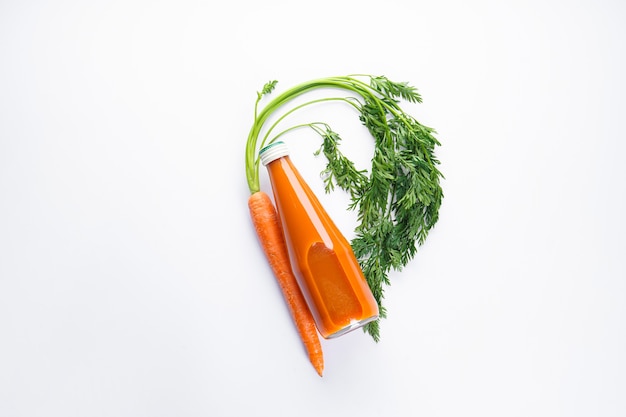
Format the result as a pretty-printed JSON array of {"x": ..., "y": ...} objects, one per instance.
[{"x": 131, "y": 281}]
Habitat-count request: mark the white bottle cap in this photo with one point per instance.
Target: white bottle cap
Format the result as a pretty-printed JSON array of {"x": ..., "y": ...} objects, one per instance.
[{"x": 272, "y": 152}]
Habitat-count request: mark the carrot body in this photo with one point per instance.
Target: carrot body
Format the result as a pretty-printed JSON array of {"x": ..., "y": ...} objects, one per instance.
[{"x": 269, "y": 231}]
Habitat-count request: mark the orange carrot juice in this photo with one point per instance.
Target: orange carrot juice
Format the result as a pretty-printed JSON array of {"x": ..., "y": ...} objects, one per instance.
[{"x": 322, "y": 259}]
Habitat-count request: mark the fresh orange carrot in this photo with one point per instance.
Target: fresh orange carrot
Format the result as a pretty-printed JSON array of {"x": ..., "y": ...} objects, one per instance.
[{"x": 269, "y": 231}]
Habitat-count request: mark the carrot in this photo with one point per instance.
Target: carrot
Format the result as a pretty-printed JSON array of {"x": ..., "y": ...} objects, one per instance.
[{"x": 269, "y": 231}]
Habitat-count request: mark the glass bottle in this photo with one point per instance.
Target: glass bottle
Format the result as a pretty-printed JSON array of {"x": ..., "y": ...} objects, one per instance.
[{"x": 322, "y": 259}]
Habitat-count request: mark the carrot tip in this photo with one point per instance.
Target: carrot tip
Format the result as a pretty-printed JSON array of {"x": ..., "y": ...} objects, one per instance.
[{"x": 319, "y": 368}]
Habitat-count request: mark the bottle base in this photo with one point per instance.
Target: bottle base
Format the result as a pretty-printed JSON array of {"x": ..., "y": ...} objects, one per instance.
[{"x": 352, "y": 326}]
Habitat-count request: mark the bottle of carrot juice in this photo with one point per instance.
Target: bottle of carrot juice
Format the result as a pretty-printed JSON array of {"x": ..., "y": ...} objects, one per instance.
[{"x": 322, "y": 259}]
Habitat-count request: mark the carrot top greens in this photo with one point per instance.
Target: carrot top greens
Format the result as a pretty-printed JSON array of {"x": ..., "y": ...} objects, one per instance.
[{"x": 397, "y": 200}]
